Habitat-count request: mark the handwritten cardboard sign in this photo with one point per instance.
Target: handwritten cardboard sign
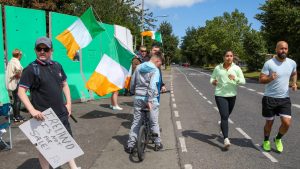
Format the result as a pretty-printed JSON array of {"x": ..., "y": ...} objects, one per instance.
[{"x": 52, "y": 139}]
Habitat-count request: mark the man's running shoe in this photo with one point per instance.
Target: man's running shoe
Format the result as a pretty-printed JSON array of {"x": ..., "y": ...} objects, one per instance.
[
  {"x": 267, "y": 146},
  {"x": 279, "y": 146},
  {"x": 226, "y": 143}
]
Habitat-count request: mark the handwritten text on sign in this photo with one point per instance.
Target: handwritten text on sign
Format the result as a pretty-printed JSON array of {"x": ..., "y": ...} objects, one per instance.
[{"x": 52, "y": 139}]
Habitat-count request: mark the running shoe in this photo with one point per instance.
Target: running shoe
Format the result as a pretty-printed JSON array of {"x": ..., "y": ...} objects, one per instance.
[
  {"x": 226, "y": 143},
  {"x": 279, "y": 146},
  {"x": 267, "y": 145},
  {"x": 117, "y": 107}
]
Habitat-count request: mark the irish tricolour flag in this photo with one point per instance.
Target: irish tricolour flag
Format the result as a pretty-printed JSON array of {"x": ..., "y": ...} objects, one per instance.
[
  {"x": 113, "y": 71},
  {"x": 80, "y": 33},
  {"x": 154, "y": 35}
]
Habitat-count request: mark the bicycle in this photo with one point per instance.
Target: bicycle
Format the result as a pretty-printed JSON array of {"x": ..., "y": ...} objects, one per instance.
[{"x": 145, "y": 136}]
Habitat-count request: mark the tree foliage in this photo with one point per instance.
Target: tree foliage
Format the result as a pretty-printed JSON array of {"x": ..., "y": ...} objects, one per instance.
[
  {"x": 280, "y": 21},
  {"x": 207, "y": 45},
  {"x": 170, "y": 41}
]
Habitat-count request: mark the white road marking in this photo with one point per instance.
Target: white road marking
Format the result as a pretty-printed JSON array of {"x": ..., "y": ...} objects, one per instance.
[
  {"x": 172, "y": 95},
  {"x": 178, "y": 123},
  {"x": 242, "y": 87},
  {"x": 216, "y": 108},
  {"x": 176, "y": 113},
  {"x": 252, "y": 90},
  {"x": 269, "y": 156},
  {"x": 243, "y": 133},
  {"x": 200, "y": 93},
  {"x": 173, "y": 99},
  {"x": 182, "y": 144},
  {"x": 296, "y": 105},
  {"x": 197, "y": 90},
  {"x": 174, "y": 105},
  {"x": 260, "y": 93},
  {"x": 209, "y": 102},
  {"x": 200, "y": 72},
  {"x": 188, "y": 166},
  {"x": 204, "y": 97},
  {"x": 230, "y": 121},
  {"x": 172, "y": 92}
]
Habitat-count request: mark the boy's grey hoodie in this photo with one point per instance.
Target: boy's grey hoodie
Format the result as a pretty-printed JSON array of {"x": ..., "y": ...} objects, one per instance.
[{"x": 144, "y": 82}]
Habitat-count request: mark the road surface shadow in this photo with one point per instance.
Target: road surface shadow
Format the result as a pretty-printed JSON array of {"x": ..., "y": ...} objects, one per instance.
[
  {"x": 32, "y": 163},
  {"x": 121, "y": 139},
  {"x": 241, "y": 142},
  {"x": 96, "y": 114},
  {"x": 101, "y": 114},
  {"x": 252, "y": 80},
  {"x": 130, "y": 104},
  {"x": 107, "y": 106}
]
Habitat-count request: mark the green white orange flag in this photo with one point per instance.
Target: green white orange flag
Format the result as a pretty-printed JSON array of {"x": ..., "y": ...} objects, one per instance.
[
  {"x": 113, "y": 71},
  {"x": 154, "y": 35},
  {"x": 80, "y": 33}
]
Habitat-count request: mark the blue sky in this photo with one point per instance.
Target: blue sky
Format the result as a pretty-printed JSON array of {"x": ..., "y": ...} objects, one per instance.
[{"x": 186, "y": 13}]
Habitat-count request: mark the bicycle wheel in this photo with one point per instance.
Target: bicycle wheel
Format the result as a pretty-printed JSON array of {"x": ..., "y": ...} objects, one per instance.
[{"x": 141, "y": 143}]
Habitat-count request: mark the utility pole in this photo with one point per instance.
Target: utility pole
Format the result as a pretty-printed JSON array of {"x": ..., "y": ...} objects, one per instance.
[{"x": 142, "y": 43}]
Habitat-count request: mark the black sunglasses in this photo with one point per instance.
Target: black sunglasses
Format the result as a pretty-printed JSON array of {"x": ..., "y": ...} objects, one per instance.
[
  {"x": 143, "y": 51},
  {"x": 39, "y": 49}
]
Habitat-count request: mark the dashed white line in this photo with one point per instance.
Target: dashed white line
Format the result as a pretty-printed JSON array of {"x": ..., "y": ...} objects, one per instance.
[
  {"x": 172, "y": 92},
  {"x": 174, "y": 105},
  {"x": 176, "y": 113},
  {"x": 197, "y": 90},
  {"x": 172, "y": 95},
  {"x": 209, "y": 102},
  {"x": 296, "y": 105},
  {"x": 243, "y": 133},
  {"x": 204, "y": 97},
  {"x": 178, "y": 123},
  {"x": 182, "y": 144},
  {"x": 230, "y": 121},
  {"x": 200, "y": 93},
  {"x": 173, "y": 99},
  {"x": 252, "y": 90},
  {"x": 269, "y": 156},
  {"x": 260, "y": 93},
  {"x": 242, "y": 87},
  {"x": 188, "y": 166},
  {"x": 216, "y": 108}
]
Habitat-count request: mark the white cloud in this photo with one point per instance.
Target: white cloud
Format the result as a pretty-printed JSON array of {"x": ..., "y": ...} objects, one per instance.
[{"x": 171, "y": 3}]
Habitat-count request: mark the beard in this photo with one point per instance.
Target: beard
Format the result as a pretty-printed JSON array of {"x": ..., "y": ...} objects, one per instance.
[{"x": 282, "y": 55}]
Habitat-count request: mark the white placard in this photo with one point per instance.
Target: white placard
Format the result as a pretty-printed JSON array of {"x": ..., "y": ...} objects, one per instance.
[{"x": 52, "y": 139}]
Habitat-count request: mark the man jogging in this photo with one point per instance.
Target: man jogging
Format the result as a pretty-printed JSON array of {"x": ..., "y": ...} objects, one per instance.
[{"x": 276, "y": 75}]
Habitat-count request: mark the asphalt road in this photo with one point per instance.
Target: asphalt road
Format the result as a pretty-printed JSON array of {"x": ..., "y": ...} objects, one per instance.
[{"x": 196, "y": 116}]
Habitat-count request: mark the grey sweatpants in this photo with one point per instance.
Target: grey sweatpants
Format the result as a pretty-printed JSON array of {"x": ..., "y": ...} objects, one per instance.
[{"x": 138, "y": 116}]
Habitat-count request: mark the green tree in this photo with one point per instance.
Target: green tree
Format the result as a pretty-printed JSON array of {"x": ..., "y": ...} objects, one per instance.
[
  {"x": 280, "y": 21},
  {"x": 170, "y": 41},
  {"x": 255, "y": 49}
]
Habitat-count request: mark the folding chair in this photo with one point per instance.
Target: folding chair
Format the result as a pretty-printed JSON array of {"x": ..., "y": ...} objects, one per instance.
[{"x": 5, "y": 122}]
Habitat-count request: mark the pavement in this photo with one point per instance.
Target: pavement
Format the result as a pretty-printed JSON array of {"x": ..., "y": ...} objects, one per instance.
[{"x": 102, "y": 134}]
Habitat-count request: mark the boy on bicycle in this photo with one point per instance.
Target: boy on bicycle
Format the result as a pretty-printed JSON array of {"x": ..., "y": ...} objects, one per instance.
[{"x": 145, "y": 84}]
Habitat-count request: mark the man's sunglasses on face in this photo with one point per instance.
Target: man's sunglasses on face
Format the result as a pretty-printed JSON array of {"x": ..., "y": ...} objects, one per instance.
[
  {"x": 39, "y": 49},
  {"x": 143, "y": 51}
]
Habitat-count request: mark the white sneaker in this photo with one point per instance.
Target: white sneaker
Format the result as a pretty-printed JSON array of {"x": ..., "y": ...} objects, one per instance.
[
  {"x": 117, "y": 107},
  {"x": 226, "y": 143}
]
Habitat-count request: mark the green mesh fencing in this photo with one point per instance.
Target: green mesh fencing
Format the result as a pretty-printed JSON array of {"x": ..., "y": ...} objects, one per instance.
[
  {"x": 3, "y": 92},
  {"x": 23, "y": 27}
]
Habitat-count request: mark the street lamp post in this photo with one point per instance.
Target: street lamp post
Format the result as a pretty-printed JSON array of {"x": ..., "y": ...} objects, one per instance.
[{"x": 142, "y": 43}]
